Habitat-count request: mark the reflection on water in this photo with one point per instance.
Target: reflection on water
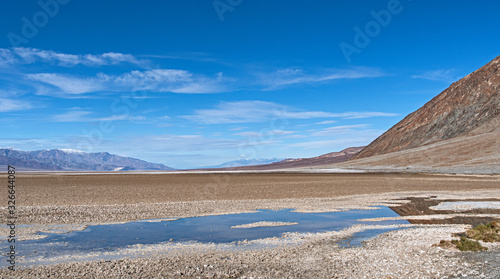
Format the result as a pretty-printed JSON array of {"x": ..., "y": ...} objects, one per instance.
[{"x": 207, "y": 229}]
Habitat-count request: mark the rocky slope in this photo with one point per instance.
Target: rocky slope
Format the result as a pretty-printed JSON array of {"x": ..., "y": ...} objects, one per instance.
[
  {"x": 473, "y": 154},
  {"x": 469, "y": 107},
  {"x": 64, "y": 159},
  {"x": 35, "y": 165}
]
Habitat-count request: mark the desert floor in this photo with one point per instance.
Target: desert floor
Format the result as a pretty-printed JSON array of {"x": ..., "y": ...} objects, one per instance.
[{"x": 45, "y": 199}]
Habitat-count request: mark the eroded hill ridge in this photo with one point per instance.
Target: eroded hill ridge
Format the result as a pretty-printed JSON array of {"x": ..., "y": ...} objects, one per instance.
[{"x": 469, "y": 107}]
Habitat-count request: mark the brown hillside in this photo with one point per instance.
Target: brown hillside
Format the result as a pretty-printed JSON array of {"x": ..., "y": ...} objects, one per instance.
[
  {"x": 465, "y": 154},
  {"x": 470, "y": 106}
]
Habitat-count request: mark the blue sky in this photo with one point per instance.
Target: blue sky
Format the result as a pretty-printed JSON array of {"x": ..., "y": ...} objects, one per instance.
[{"x": 198, "y": 83}]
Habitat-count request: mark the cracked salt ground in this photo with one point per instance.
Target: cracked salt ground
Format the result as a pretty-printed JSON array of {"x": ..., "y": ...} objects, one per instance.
[{"x": 207, "y": 229}]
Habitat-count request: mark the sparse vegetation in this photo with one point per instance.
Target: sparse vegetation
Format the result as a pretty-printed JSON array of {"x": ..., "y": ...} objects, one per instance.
[
  {"x": 465, "y": 244},
  {"x": 488, "y": 233}
]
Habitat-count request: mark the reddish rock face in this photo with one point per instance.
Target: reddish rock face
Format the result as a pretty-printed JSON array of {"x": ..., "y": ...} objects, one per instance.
[{"x": 470, "y": 106}]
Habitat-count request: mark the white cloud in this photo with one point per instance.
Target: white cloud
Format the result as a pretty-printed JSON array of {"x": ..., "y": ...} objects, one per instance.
[
  {"x": 189, "y": 143},
  {"x": 282, "y": 133},
  {"x": 149, "y": 79},
  {"x": 248, "y": 134},
  {"x": 260, "y": 111},
  {"x": 160, "y": 80},
  {"x": 238, "y": 128},
  {"x": 67, "y": 84},
  {"x": 236, "y": 112},
  {"x": 194, "y": 56},
  {"x": 307, "y": 114},
  {"x": 364, "y": 114},
  {"x": 27, "y": 144},
  {"x": 285, "y": 77},
  {"x": 79, "y": 115},
  {"x": 6, "y": 57},
  {"x": 167, "y": 80},
  {"x": 338, "y": 130},
  {"x": 265, "y": 133},
  {"x": 348, "y": 138},
  {"x": 72, "y": 116},
  {"x": 325, "y": 122},
  {"x": 446, "y": 76},
  {"x": 121, "y": 118},
  {"x": 331, "y": 144},
  {"x": 12, "y": 105},
  {"x": 295, "y": 136},
  {"x": 23, "y": 55}
]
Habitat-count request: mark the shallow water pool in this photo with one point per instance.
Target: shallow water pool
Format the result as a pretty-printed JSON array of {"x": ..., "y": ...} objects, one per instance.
[{"x": 207, "y": 229}]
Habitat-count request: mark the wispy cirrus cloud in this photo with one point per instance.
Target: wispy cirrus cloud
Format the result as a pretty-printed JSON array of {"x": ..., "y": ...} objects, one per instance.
[
  {"x": 364, "y": 114},
  {"x": 13, "y": 105},
  {"x": 238, "y": 128},
  {"x": 27, "y": 144},
  {"x": 80, "y": 115},
  {"x": 260, "y": 111},
  {"x": 186, "y": 55},
  {"x": 196, "y": 142},
  {"x": 447, "y": 76},
  {"x": 290, "y": 76},
  {"x": 360, "y": 140},
  {"x": 336, "y": 130},
  {"x": 72, "y": 116},
  {"x": 159, "y": 80},
  {"x": 122, "y": 118},
  {"x": 23, "y": 55},
  {"x": 325, "y": 122},
  {"x": 246, "y": 112},
  {"x": 282, "y": 132},
  {"x": 340, "y": 137},
  {"x": 266, "y": 133},
  {"x": 66, "y": 84},
  {"x": 7, "y": 57}
]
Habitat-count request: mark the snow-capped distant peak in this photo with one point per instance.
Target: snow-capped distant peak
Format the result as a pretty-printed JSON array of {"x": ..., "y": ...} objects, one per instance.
[{"x": 72, "y": 151}]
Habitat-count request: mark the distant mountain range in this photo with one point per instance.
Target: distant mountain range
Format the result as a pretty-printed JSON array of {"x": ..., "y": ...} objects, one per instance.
[
  {"x": 330, "y": 158},
  {"x": 247, "y": 162},
  {"x": 73, "y": 160}
]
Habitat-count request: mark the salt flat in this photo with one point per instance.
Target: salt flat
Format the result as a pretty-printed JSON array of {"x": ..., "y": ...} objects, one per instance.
[{"x": 79, "y": 200}]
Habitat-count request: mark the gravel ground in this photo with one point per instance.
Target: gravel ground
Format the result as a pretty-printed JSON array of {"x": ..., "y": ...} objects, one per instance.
[
  {"x": 486, "y": 263},
  {"x": 76, "y": 201},
  {"x": 125, "y": 189}
]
